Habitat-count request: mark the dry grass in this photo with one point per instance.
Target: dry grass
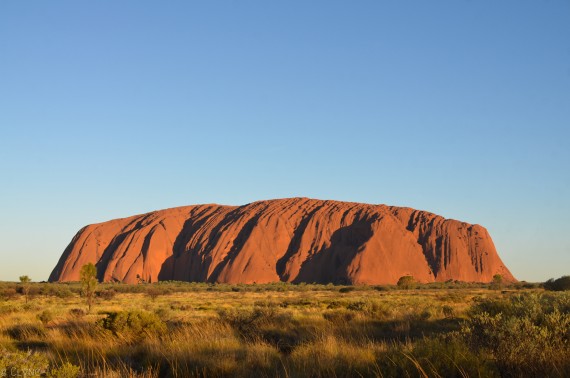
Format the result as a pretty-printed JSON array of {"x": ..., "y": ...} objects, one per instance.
[{"x": 275, "y": 331}]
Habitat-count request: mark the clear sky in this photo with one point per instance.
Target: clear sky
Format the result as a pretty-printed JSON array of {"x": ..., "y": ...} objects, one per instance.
[{"x": 115, "y": 108}]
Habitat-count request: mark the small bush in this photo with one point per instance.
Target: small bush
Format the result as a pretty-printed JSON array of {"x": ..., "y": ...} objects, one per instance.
[
  {"x": 269, "y": 325},
  {"x": 132, "y": 323},
  {"x": 29, "y": 307},
  {"x": 63, "y": 292},
  {"x": 347, "y": 289},
  {"x": 8, "y": 309},
  {"x": 406, "y": 282},
  {"x": 45, "y": 316},
  {"x": 527, "y": 334},
  {"x": 246, "y": 321},
  {"x": 153, "y": 293},
  {"x": 335, "y": 304},
  {"x": 77, "y": 313},
  {"x": 426, "y": 314},
  {"x": 22, "y": 364},
  {"x": 359, "y": 306},
  {"x": 163, "y": 313},
  {"x": 56, "y": 290},
  {"x": 265, "y": 303},
  {"x": 530, "y": 285},
  {"x": 107, "y": 294},
  {"x": 382, "y": 288},
  {"x": 8, "y": 294},
  {"x": 372, "y": 308},
  {"x": 338, "y": 316},
  {"x": 448, "y": 312},
  {"x": 299, "y": 302},
  {"x": 67, "y": 370}
]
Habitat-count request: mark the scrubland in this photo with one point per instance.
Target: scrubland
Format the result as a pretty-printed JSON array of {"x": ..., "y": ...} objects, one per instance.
[{"x": 174, "y": 329}]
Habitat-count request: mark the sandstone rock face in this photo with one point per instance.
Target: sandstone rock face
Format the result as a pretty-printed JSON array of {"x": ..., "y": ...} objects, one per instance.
[{"x": 293, "y": 240}]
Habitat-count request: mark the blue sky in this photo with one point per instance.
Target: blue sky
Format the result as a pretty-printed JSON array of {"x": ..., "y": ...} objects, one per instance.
[{"x": 109, "y": 109}]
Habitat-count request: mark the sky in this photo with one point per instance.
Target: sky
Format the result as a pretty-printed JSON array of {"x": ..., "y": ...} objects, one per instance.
[{"x": 115, "y": 108}]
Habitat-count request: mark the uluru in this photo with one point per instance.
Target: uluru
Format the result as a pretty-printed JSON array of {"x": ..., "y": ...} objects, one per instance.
[{"x": 291, "y": 240}]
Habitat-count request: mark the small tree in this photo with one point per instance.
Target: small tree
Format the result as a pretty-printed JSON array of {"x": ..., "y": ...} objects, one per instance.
[
  {"x": 25, "y": 281},
  {"x": 559, "y": 284},
  {"x": 406, "y": 282},
  {"x": 497, "y": 282},
  {"x": 153, "y": 293},
  {"x": 89, "y": 283}
]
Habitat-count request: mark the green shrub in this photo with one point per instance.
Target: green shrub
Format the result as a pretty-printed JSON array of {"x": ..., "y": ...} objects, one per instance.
[
  {"x": 299, "y": 302},
  {"x": 246, "y": 321},
  {"x": 347, "y": 289},
  {"x": 424, "y": 315},
  {"x": 362, "y": 306},
  {"x": 406, "y": 282},
  {"x": 530, "y": 285},
  {"x": 67, "y": 370},
  {"x": 163, "y": 313},
  {"x": 56, "y": 290},
  {"x": 107, "y": 294},
  {"x": 63, "y": 292},
  {"x": 22, "y": 364},
  {"x": 372, "y": 308},
  {"x": 528, "y": 335},
  {"x": 382, "y": 288},
  {"x": 335, "y": 304},
  {"x": 132, "y": 323},
  {"x": 560, "y": 284}
]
